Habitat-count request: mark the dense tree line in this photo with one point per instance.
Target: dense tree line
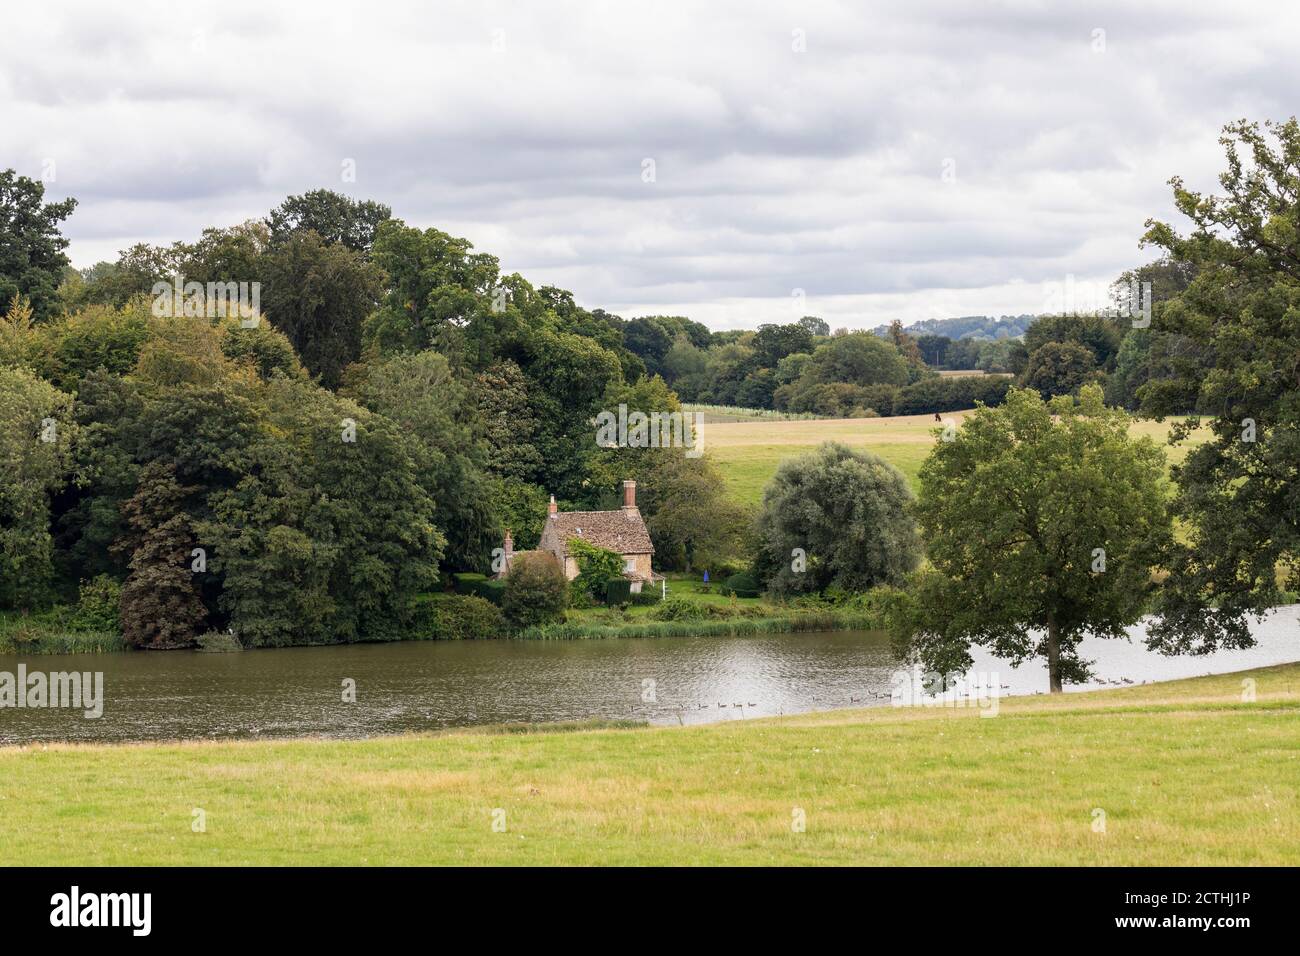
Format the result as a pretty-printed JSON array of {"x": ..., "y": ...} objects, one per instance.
[
  {"x": 310, "y": 473},
  {"x": 306, "y": 472}
]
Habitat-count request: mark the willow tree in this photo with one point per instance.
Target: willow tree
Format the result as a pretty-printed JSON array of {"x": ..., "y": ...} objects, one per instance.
[
  {"x": 1043, "y": 523},
  {"x": 836, "y": 519}
]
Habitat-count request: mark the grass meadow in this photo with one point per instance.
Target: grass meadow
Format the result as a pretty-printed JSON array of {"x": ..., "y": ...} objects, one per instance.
[
  {"x": 1183, "y": 772},
  {"x": 748, "y": 453}
]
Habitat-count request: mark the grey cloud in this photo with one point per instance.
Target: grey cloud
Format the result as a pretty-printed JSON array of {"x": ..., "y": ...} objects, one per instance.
[{"x": 775, "y": 169}]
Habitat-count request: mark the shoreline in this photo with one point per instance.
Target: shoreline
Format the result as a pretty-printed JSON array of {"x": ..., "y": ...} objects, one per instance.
[
  {"x": 795, "y": 621},
  {"x": 600, "y": 724}
]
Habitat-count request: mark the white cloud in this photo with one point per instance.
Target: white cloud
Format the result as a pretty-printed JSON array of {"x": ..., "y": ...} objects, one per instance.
[{"x": 524, "y": 127}]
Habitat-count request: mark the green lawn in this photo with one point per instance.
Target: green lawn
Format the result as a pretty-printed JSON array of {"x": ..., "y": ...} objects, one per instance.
[
  {"x": 681, "y": 586},
  {"x": 1184, "y": 772},
  {"x": 748, "y": 453}
]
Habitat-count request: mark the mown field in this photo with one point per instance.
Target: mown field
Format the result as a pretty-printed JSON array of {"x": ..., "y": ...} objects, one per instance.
[
  {"x": 748, "y": 453},
  {"x": 1180, "y": 773}
]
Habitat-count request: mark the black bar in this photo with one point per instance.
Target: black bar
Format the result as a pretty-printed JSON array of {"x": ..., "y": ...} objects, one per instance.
[{"x": 938, "y": 907}]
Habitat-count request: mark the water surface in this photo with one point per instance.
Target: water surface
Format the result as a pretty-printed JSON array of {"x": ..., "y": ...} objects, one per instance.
[{"x": 418, "y": 686}]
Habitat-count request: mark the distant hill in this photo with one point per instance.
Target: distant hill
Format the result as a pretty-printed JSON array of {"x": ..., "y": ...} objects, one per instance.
[{"x": 968, "y": 327}]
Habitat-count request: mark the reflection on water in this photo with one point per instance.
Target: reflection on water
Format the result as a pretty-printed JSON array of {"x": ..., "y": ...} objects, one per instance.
[{"x": 431, "y": 685}]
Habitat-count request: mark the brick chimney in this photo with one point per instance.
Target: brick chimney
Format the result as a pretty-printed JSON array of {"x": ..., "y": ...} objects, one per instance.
[
  {"x": 629, "y": 496},
  {"x": 509, "y": 546},
  {"x": 551, "y": 509}
]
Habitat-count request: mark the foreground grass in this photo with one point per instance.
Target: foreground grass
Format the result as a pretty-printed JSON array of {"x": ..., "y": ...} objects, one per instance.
[
  {"x": 748, "y": 453},
  {"x": 1185, "y": 772}
]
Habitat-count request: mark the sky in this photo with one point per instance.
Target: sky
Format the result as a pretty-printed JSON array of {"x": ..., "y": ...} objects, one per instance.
[{"x": 734, "y": 162}]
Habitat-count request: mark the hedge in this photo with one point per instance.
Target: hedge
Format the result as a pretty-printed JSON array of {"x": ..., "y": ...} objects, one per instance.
[
  {"x": 951, "y": 394},
  {"x": 618, "y": 591},
  {"x": 741, "y": 585},
  {"x": 479, "y": 585}
]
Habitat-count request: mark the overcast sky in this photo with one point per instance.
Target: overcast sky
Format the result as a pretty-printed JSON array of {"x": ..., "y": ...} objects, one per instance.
[{"x": 906, "y": 160}]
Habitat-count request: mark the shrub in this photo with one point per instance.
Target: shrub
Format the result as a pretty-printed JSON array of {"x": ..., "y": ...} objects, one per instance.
[
  {"x": 741, "y": 585},
  {"x": 216, "y": 642},
  {"x": 480, "y": 585},
  {"x": 536, "y": 590},
  {"x": 455, "y": 617},
  {"x": 618, "y": 591},
  {"x": 98, "y": 606},
  {"x": 719, "y": 625},
  {"x": 679, "y": 609},
  {"x": 646, "y": 596},
  {"x": 595, "y": 567},
  {"x": 881, "y": 398}
]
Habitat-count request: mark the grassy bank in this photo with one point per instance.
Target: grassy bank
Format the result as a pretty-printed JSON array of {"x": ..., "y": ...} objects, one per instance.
[
  {"x": 49, "y": 634},
  {"x": 1184, "y": 772},
  {"x": 792, "y": 621}
]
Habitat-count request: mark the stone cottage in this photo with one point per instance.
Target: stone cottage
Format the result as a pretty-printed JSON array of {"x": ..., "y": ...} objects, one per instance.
[{"x": 623, "y": 532}]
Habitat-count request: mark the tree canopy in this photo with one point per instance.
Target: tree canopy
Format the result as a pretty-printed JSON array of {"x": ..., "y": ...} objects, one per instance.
[
  {"x": 837, "y": 518},
  {"x": 1044, "y": 523}
]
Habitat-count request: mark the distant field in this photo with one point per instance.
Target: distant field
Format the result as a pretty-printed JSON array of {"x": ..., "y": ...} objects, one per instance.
[{"x": 748, "y": 453}]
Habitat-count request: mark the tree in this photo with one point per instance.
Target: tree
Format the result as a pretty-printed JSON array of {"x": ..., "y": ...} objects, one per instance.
[
  {"x": 934, "y": 349},
  {"x": 1040, "y": 530},
  {"x": 332, "y": 216},
  {"x": 771, "y": 343},
  {"x": 161, "y": 604},
  {"x": 1098, "y": 335},
  {"x": 319, "y": 295},
  {"x": 327, "y": 536},
  {"x": 234, "y": 254},
  {"x": 684, "y": 367},
  {"x": 32, "y": 259},
  {"x": 501, "y": 392},
  {"x": 691, "y": 520},
  {"x": 264, "y": 349},
  {"x": 996, "y": 356},
  {"x": 568, "y": 377},
  {"x": 437, "y": 287},
  {"x": 65, "y": 350},
  {"x": 36, "y": 440},
  {"x": 1060, "y": 368},
  {"x": 837, "y": 518},
  {"x": 907, "y": 348},
  {"x": 1238, "y": 325},
  {"x": 859, "y": 358},
  {"x": 815, "y": 325},
  {"x": 536, "y": 590},
  {"x": 962, "y": 353},
  {"x": 436, "y": 413},
  {"x": 647, "y": 338},
  {"x": 726, "y": 369}
]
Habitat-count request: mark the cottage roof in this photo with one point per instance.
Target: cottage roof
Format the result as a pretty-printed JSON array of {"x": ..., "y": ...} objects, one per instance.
[{"x": 622, "y": 531}]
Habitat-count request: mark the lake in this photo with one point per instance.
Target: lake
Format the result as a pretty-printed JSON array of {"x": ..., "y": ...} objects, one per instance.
[{"x": 421, "y": 686}]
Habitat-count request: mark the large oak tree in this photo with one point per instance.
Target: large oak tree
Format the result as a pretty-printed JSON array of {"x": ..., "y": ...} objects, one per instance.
[{"x": 1043, "y": 523}]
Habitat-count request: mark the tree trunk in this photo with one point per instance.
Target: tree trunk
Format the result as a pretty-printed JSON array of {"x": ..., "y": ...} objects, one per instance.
[{"x": 1053, "y": 656}]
